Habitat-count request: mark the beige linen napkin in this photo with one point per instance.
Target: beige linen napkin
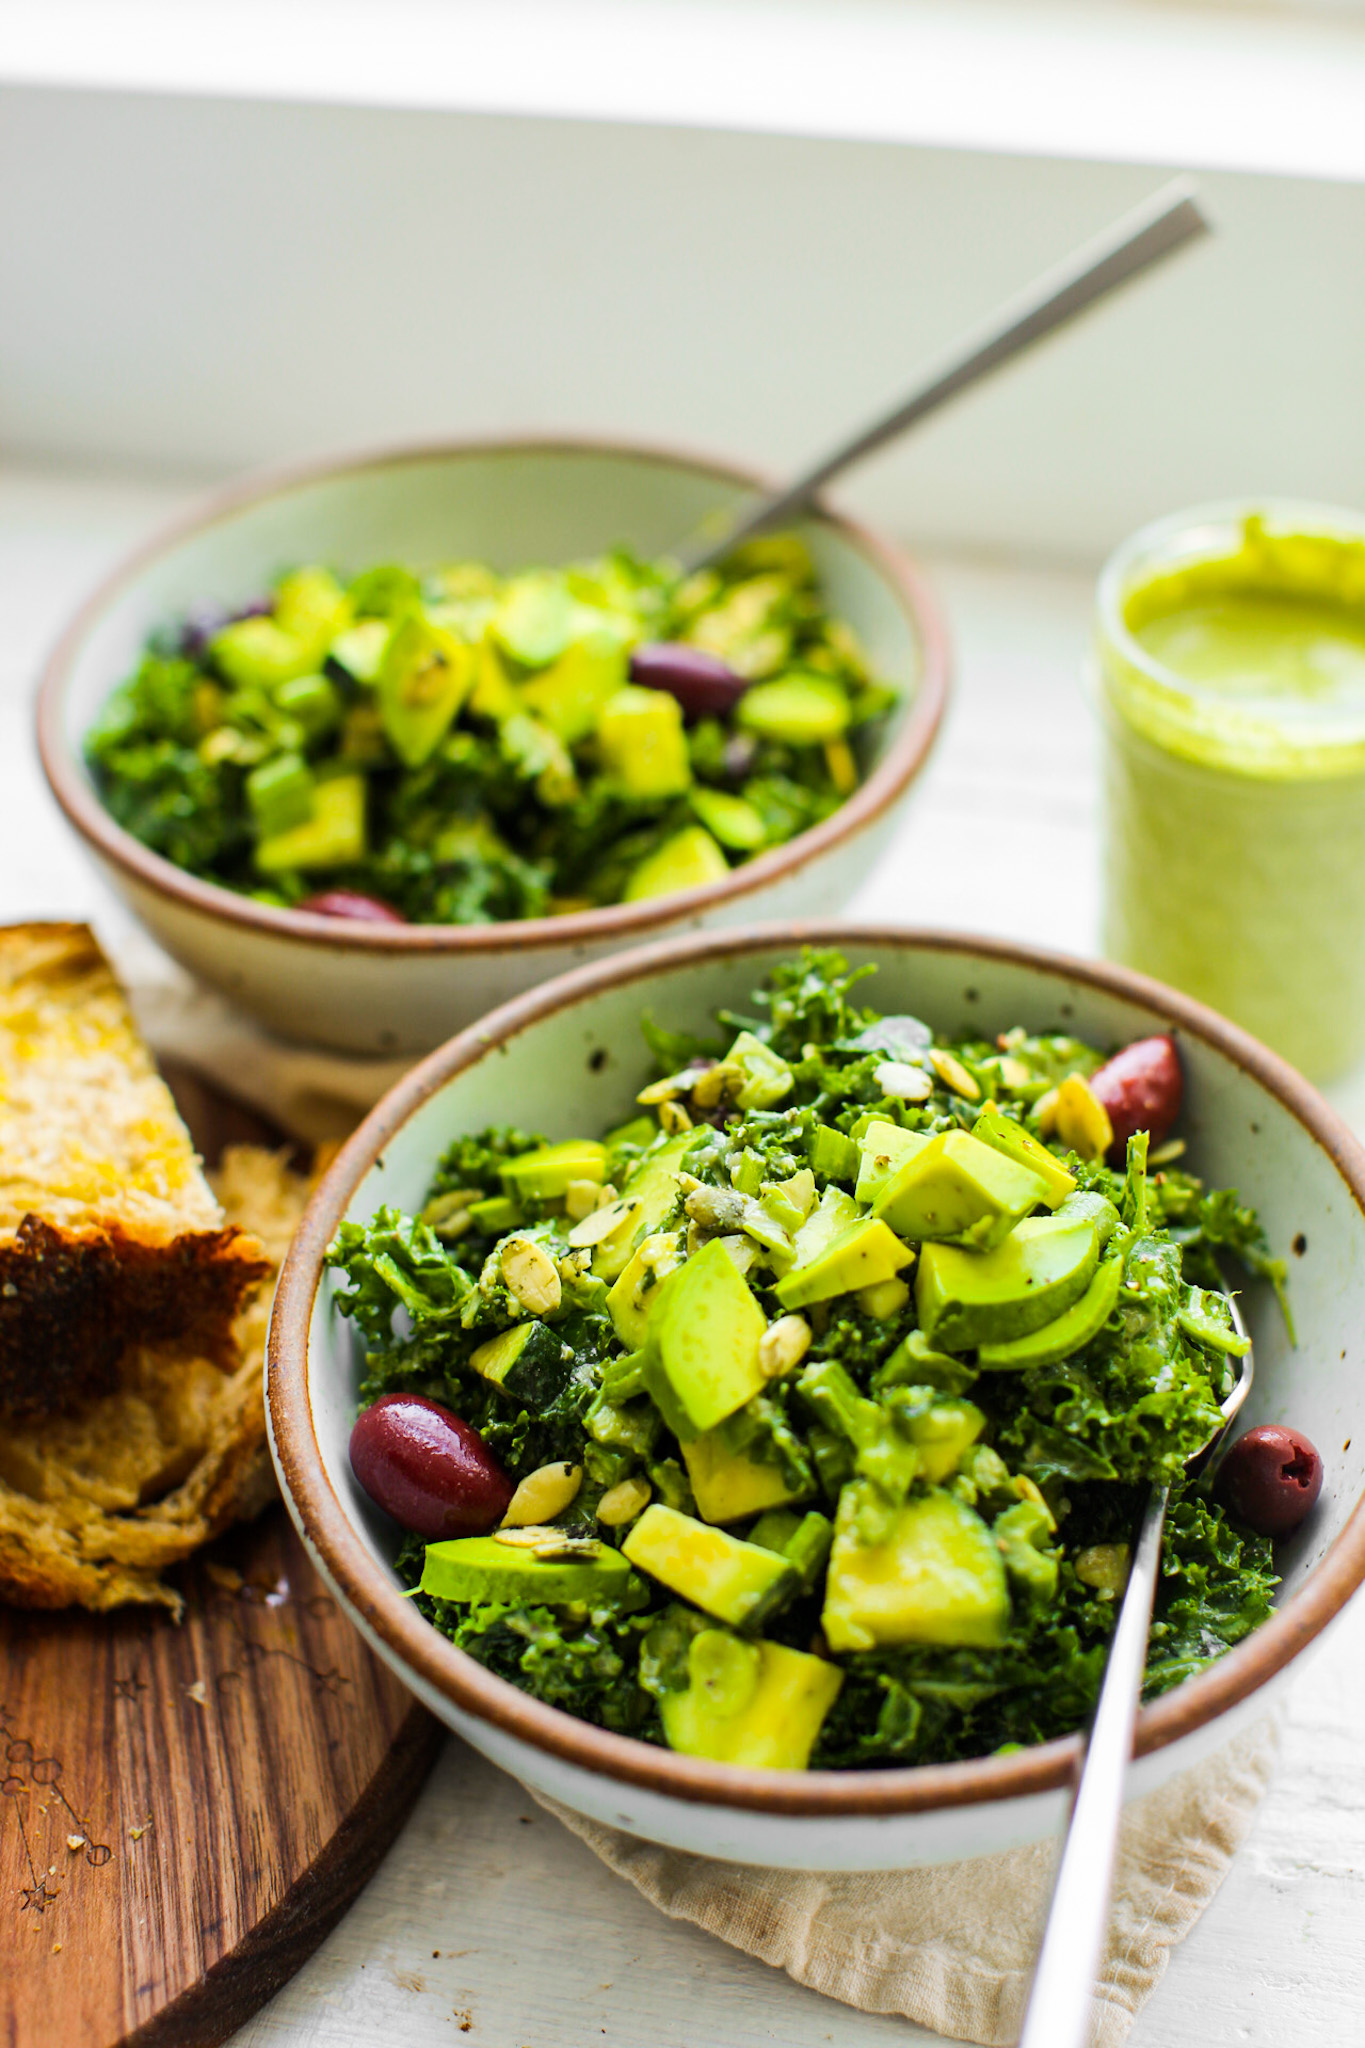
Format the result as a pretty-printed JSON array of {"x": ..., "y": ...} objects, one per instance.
[{"x": 951, "y": 1946}]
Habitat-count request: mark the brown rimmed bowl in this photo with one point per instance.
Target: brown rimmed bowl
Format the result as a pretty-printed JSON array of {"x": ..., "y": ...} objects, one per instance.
[
  {"x": 567, "y": 1059},
  {"x": 403, "y": 989}
]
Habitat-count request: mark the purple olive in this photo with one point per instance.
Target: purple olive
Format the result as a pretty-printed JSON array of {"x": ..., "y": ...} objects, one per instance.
[
  {"x": 701, "y": 682},
  {"x": 352, "y": 903},
  {"x": 434, "y": 1474},
  {"x": 1270, "y": 1479}
]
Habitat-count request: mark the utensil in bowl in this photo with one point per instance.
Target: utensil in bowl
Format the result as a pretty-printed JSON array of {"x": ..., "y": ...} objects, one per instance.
[
  {"x": 383, "y": 988},
  {"x": 568, "y": 1056},
  {"x": 1144, "y": 236},
  {"x": 1058, "y": 2014}
]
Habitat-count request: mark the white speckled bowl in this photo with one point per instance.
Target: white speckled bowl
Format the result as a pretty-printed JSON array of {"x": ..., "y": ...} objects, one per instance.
[
  {"x": 393, "y": 989},
  {"x": 568, "y": 1059}
]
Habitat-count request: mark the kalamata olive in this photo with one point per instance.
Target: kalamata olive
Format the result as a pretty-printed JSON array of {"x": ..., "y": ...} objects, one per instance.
[
  {"x": 429, "y": 1470},
  {"x": 1141, "y": 1088},
  {"x": 1270, "y": 1479},
  {"x": 352, "y": 903},
  {"x": 701, "y": 682}
]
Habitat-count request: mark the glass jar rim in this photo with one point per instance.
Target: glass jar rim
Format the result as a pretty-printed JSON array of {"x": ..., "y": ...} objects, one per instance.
[{"x": 1203, "y": 533}]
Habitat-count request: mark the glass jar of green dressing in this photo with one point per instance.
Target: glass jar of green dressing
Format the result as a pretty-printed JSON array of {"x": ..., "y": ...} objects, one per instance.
[{"x": 1231, "y": 649}]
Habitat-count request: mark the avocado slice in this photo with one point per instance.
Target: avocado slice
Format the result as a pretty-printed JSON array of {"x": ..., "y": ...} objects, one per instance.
[
  {"x": 802, "y": 710},
  {"x": 652, "y": 1186},
  {"x": 883, "y": 1149},
  {"x": 691, "y": 859},
  {"x": 633, "y": 1294},
  {"x": 360, "y": 649},
  {"x": 1065, "y": 1333},
  {"x": 756, "y": 1704},
  {"x": 738, "y": 1583},
  {"x": 765, "y": 1077},
  {"x": 730, "y": 1485},
  {"x": 544, "y": 1175},
  {"x": 956, "y": 1190},
  {"x": 481, "y": 1568},
  {"x": 730, "y": 819},
  {"x": 494, "y": 1215},
  {"x": 570, "y": 695},
  {"x": 642, "y": 743},
  {"x": 937, "y": 1577},
  {"x": 332, "y": 836},
  {"x": 536, "y": 618},
  {"x": 968, "y": 1298},
  {"x": 706, "y": 1325},
  {"x": 526, "y": 1361},
  {"x": 1086, "y": 1205},
  {"x": 860, "y": 1255},
  {"x": 1004, "y": 1135},
  {"x": 424, "y": 678}
]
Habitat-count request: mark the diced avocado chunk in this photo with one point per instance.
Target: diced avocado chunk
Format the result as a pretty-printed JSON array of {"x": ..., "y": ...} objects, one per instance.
[
  {"x": 481, "y": 1568},
  {"x": 1004, "y": 1135},
  {"x": 706, "y": 1325},
  {"x": 737, "y": 1582},
  {"x": 882, "y": 1150},
  {"x": 691, "y": 859},
  {"x": 1065, "y": 1333},
  {"x": 832, "y": 1155},
  {"x": 968, "y": 1298},
  {"x": 360, "y": 649},
  {"x": 936, "y": 1578},
  {"x": 424, "y": 678},
  {"x": 804, "y": 1540},
  {"x": 262, "y": 652},
  {"x": 279, "y": 794},
  {"x": 332, "y": 836},
  {"x": 833, "y": 1214},
  {"x": 544, "y": 1175},
  {"x": 495, "y": 1214},
  {"x": 730, "y": 819},
  {"x": 760, "y": 1705},
  {"x": 1088, "y": 1206},
  {"x": 766, "y": 1080},
  {"x": 802, "y": 710},
  {"x": 942, "y": 1434},
  {"x": 570, "y": 694},
  {"x": 957, "y": 1190},
  {"x": 526, "y": 1361},
  {"x": 652, "y": 1186},
  {"x": 864, "y": 1253},
  {"x": 1021, "y": 1536},
  {"x": 642, "y": 743},
  {"x": 536, "y": 618},
  {"x": 915, "y": 1363},
  {"x": 730, "y": 1485}
]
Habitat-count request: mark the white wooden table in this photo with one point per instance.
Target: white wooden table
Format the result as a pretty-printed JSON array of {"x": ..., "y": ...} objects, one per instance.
[{"x": 487, "y": 1918}]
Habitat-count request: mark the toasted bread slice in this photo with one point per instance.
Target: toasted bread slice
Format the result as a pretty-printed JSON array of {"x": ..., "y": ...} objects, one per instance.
[
  {"x": 94, "y": 1505},
  {"x": 109, "y": 1232}
]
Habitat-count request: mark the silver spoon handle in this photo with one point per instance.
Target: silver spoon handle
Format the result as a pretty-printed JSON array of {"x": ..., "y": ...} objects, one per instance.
[
  {"x": 1146, "y": 235},
  {"x": 1059, "y": 2008}
]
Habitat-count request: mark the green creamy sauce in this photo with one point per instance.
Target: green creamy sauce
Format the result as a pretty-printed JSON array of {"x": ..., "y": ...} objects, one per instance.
[{"x": 1236, "y": 786}]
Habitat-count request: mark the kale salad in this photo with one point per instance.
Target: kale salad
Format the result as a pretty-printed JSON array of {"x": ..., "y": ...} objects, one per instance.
[
  {"x": 805, "y": 1418},
  {"x": 456, "y": 746}
]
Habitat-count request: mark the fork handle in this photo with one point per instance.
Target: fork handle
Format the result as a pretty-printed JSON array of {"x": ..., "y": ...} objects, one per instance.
[{"x": 1059, "y": 2008}]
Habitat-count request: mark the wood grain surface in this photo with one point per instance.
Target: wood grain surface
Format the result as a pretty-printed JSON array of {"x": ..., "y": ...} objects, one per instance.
[{"x": 186, "y": 1809}]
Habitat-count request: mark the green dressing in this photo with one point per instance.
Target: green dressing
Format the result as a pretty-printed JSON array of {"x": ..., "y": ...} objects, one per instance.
[{"x": 1232, "y": 664}]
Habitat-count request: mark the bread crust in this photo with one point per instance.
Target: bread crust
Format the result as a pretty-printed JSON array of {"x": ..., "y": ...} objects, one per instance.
[{"x": 109, "y": 1232}]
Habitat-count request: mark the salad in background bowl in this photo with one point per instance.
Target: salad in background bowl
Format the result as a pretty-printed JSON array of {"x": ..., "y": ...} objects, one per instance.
[
  {"x": 829, "y": 1472},
  {"x": 363, "y": 752}
]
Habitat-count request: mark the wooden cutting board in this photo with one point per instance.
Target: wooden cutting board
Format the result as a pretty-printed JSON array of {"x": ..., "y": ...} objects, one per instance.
[{"x": 186, "y": 1810}]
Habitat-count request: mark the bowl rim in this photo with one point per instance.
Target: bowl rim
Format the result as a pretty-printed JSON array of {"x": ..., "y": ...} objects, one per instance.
[
  {"x": 415, "y": 1647},
  {"x": 902, "y": 760}
]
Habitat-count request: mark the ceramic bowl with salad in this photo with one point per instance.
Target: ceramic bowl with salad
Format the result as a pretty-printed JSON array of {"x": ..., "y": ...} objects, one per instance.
[
  {"x": 377, "y": 746},
  {"x": 726, "y": 1387}
]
